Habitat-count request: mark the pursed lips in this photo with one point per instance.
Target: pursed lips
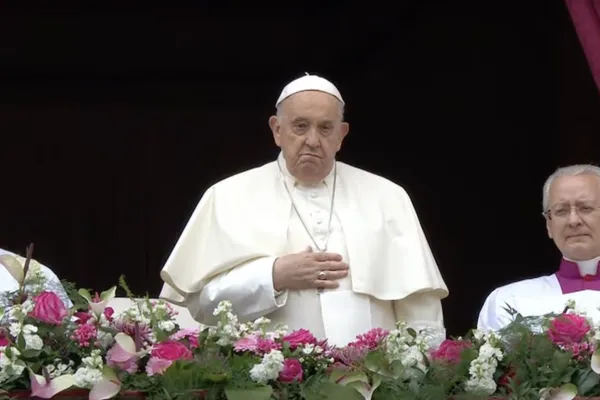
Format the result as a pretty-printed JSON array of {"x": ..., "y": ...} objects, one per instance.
[{"x": 577, "y": 235}]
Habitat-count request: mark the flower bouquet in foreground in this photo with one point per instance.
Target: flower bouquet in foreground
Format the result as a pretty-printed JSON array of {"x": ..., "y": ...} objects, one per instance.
[{"x": 50, "y": 349}]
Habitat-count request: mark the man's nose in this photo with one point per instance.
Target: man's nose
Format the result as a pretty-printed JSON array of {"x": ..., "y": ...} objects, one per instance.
[
  {"x": 574, "y": 218},
  {"x": 312, "y": 138}
]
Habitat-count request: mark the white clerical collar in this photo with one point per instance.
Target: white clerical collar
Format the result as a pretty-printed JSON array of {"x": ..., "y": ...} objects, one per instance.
[
  {"x": 586, "y": 267},
  {"x": 292, "y": 181}
]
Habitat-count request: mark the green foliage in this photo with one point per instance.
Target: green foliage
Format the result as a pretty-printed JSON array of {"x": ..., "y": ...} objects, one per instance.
[{"x": 79, "y": 303}]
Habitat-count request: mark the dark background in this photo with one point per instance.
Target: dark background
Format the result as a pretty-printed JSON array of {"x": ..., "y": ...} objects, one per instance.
[{"x": 114, "y": 120}]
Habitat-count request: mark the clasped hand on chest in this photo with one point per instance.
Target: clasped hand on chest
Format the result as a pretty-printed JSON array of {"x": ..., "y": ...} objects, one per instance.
[{"x": 308, "y": 270}]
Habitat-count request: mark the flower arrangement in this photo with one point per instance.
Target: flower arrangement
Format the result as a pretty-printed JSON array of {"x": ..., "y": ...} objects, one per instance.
[{"x": 49, "y": 348}]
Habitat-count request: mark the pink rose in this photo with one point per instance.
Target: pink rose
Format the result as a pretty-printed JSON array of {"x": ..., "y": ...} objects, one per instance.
[
  {"x": 300, "y": 337},
  {"x": 567, "y": 329},
  {"x": 49, "y": 308},
  {"x": 172, "y": 351},
  {"x": 3, "y": 339},
  {"x": 450, "y": 351},
  {"x": 292, "y": 371}
]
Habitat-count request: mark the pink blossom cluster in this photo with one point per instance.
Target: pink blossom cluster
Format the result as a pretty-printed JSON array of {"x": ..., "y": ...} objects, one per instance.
[
  {"x": 49, "y": 309},
  {"x": 293, "y": 370},
  {"x": 450, "y": 351},
  {"x": 352, "y": 356}
]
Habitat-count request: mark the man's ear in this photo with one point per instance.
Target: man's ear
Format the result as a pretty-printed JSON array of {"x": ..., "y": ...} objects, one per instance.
[
  {"x": 276, "y": 129},
  {"x": 344, "y": 129},
  {"x": 548, "y": 228}
]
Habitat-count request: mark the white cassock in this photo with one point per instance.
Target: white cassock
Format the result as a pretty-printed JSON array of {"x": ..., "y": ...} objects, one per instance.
[
  {"x": 243, "y": 223},
  {"x": 8, "y": 284},
  {"x": 543, "y": 295}
]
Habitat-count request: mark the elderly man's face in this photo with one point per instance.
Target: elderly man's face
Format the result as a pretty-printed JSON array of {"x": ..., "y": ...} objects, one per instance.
[
  {"x": 310, "y": 133},
  {"x": 574, "y": 219}
]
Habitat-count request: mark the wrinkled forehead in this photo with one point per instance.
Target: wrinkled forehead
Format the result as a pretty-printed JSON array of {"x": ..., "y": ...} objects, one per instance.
[
  {"x": 575, "y": 188},
  {"x": 312, "y": 105}
]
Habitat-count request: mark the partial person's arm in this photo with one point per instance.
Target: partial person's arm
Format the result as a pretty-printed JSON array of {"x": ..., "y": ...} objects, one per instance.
[
  {"x": 423, "y": 311},
  {"x": 249, "y": 288},
  {"x": 493, "y": 315}
]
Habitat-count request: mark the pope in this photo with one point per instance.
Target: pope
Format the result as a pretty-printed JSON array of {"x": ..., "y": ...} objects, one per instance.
[{"x": 308, "y": 241}]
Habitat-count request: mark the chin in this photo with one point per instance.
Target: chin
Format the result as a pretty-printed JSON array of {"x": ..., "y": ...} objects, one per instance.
[{"x": 580, "y": 252}]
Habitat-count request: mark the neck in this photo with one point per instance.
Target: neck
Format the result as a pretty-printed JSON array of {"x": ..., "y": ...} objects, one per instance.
[{"x": 586, "y": 267}]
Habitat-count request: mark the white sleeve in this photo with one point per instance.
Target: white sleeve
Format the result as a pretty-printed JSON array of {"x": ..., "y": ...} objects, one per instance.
[
  {"x": 249, "y": 288},
  {"x": 54, "y": 284},
  {"x": 423, "y": 312},
  {"x": 493, "y": 315}
]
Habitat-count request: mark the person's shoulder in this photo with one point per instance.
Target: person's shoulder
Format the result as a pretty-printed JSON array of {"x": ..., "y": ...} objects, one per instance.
[
  {"x": 244, "y": 179},
  {"x": 371, "y": 180},
  {"x": 525, "y": 286}
]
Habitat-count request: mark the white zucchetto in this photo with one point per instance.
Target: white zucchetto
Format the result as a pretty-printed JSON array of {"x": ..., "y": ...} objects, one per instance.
[{"x": 309, "y": 82}]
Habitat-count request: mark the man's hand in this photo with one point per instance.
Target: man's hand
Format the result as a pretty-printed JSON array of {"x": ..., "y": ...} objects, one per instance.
[{"x": 302, "y": 270}]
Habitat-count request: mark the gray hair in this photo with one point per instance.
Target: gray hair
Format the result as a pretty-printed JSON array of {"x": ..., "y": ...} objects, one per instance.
[{"x": 571, "y": 170}]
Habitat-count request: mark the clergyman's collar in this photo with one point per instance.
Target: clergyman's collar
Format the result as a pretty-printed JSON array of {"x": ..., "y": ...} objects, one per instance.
[{"x": 293, "y": 181}]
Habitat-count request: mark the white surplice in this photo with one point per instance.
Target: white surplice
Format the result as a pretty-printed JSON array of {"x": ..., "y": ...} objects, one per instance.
[
  {"x": 535, "y": 297},
  {"x": 393, "y": 275}
]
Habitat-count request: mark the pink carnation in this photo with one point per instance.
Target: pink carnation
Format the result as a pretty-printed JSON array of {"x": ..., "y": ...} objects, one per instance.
[
  {"x": 189, "y": 334},
  {"x": 301, "y": 337},
  {"x": 256, "y": 344},
  {"x": 567, "y": 329},
  {"x": 450, "y": 351},
  {"x": 85, "y": 335},
  {"x": 371, "y": 339},
  {"x": 292, "y": 371}
]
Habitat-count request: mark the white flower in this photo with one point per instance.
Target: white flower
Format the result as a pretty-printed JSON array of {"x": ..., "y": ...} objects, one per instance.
[
  {"x": 59, "y": 368},
  {"x": 269, "y": 368},
  {"x": 10, "y": 364},
  {"x": 33, "y": 342},
  {"x": 308, "y": 348},
  {"x": 482, "y": 369},
  {"x": 93, "y": 361},
  {"x": 86, "y": 377},
  {"x": 227, "y": 329},
  {"x": 167, "y": 326}
]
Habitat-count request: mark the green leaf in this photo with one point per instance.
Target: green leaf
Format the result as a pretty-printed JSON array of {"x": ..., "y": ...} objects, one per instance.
[
  {"x": 31, "y": 353},
  {"x": 258, "y": 393},
  {"x": 587, "y": 381},
  {"x": 342, "y": 377},
  {"x": 108, "y": 294},
  {"x": 560, "y": 360},
  {"x": 331, "y": 391},
  {"x": 85, "y": 294}
]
